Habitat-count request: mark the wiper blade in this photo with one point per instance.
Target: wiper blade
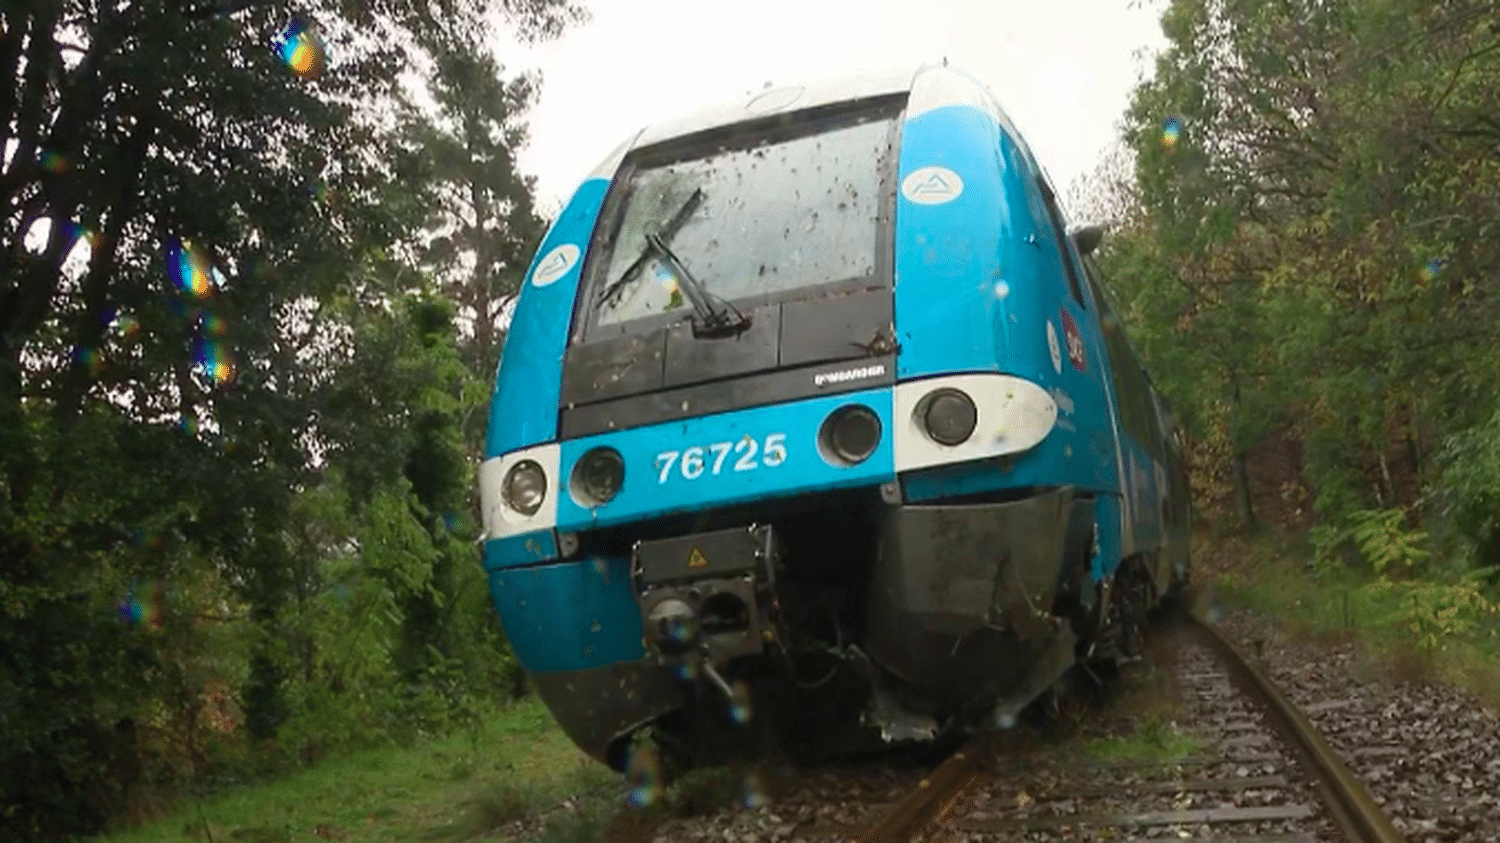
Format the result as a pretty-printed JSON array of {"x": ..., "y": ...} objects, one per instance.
[
  {"x": 665, "y": 233},
  {"x": 711, "y": 313}
]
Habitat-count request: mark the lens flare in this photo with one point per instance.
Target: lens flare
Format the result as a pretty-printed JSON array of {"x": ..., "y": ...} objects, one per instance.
[
  {"x": 55, "y": 162},
  {"x": 1171, "y": 133},
  {"x": 301, "y": 50},
  {"x": 740, "y": 707},
  {"x": 754, "y": 794},
  {"x": 211, "y": 325},
  {"x": 144, "y": 606},
  {"x": 1431, "y": 269},
  {"x": 665, "y": 277},
  {"x": 643, "y": 772},
  {"x": 76, "y": 234},
  {"x": 188, "y": 425},
  {"x": 88, "y": 358},
  {"x": 214, "y": 360},
  {"x": 189, "y": 269}
]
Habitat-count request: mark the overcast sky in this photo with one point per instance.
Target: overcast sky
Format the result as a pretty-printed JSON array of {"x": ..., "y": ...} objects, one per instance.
[{"x": 1063, "y": 69}]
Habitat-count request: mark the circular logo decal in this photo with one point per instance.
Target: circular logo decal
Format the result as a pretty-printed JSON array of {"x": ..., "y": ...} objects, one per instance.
[
  {"x": 1053, "y": 348},
  {"x": 932, "y": 186},
  {"x": 555, "y": 265}
]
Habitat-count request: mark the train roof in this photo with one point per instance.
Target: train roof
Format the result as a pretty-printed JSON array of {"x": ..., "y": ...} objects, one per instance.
[{"x": 940, "y": 86}]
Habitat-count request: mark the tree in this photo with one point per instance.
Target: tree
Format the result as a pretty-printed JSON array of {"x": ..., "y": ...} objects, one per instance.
[
  {"x": 481, "y": 207},
  {"x": 1318, "y": 179},
  {"x": 182, "y": 199}
]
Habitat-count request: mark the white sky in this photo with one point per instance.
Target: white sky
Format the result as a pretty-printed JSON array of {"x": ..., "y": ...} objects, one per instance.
[{"x": 1062, "y": 69}]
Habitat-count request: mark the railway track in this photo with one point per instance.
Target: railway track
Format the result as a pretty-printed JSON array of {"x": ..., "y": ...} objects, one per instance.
[{"x": 1261, "y": 774}]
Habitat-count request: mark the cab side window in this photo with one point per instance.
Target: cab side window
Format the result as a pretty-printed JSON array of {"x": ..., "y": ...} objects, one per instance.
[
  {"x": 1137, "y": 408},
  {"x": 1060, "y": 239}
]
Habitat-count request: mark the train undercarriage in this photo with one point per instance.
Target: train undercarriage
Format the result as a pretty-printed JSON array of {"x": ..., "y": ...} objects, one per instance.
[{"x": 857, "y": 625}]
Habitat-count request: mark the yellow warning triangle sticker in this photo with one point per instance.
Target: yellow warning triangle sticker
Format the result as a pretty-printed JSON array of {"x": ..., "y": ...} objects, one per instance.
[{"x": 696, "y": 559}]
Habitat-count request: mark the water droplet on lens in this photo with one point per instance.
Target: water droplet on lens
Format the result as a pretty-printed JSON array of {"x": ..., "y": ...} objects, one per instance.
[
  {"x": 301, "y": 49},
  {"x": 643, "y": 772},
  {"x": 740, "y": 707},
  {"x": 754, "y": 794}
]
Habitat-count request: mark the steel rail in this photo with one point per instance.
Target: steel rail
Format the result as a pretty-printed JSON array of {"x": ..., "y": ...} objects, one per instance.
[
  {"x": 934, "y": 796},
  {"x": 1358, "y": 817}
]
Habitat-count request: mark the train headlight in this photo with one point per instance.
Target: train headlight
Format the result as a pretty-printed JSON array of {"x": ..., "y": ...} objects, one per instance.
[
  {"x": 949, "y": 416},
  {"x": 597, "y": 477},
  {"x": 850, "y": 434},
  {"x": 525, "y": 487}
]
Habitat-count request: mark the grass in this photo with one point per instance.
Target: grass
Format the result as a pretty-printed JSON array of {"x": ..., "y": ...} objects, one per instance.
[
  {"x": 1154, "y": 741},
  {"x": 1268, "y": 576},
  {"x": 1140, "y": 726},
  {"x": 519, "y": 769}
]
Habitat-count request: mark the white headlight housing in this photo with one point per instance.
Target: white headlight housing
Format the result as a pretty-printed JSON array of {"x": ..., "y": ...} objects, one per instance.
[{"x": 525, "y": 487}]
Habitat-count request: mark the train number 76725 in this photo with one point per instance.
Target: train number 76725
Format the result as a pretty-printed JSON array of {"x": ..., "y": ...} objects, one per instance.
[{"x": 745, "y": 455}]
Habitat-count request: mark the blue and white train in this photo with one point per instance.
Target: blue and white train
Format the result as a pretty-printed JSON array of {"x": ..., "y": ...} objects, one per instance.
[{"x": 813, "y": 414}]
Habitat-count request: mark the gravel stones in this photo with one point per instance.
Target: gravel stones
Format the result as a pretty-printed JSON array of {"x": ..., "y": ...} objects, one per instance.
[{"x": 1429, "y": 753}]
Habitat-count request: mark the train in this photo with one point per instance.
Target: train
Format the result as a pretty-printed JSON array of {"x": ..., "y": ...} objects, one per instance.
[{"x": 816, "y": 431}]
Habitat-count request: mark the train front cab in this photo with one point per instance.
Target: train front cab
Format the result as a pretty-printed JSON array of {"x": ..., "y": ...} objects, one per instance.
[{"x": 883, "y": 473}]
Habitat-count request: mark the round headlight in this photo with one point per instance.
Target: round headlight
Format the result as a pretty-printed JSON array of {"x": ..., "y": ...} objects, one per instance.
[
  {"x": 950, "y": 417},
  {"x": 851, "y": 434},
  {"x": 525, "y": 487},
  {"x": 597, "y": 477}
]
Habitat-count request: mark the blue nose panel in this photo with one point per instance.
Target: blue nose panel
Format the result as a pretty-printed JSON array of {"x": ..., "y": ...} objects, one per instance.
[{"x": 569, "y": 616}]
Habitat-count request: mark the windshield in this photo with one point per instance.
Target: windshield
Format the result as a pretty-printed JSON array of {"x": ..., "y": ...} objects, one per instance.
[{"x": 773, "y": 217}]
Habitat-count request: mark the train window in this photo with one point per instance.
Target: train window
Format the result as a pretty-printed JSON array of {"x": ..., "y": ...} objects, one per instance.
[
  {"x": 1060, "y": 237},
  {"x": 1132, "y": 389},
  {"x": 769, "y": 216}
]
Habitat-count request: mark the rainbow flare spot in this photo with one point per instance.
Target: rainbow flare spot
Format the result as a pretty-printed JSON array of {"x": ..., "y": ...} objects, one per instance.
[
  {"x": 54, "y": 162},
  {"x": 189, "y": 269},
  {"x": 214, "y": 360},
  {"x": 300, "y": 49},
  {"x": 144, "y": 606},
  {"x": 1171, "y": 133},
  {"x": 211, "y": 325},
  {"x": 1431, "y": 269},
  {"x": 644, "y": 775},
  {"x": 88, "y": 358}
]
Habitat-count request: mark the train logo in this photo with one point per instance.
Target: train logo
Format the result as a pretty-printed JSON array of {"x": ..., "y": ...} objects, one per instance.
[
  {"x": 555, "y": 265},
  {"x": 932, "y": 186}
]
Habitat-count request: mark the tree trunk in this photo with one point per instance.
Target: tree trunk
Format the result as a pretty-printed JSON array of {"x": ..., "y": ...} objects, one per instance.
[{"x": 1242, "y": 503}]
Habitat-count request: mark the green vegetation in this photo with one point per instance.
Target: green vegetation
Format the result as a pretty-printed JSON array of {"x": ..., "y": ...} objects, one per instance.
[
  {"x": 1305, "y": 252},
  {"x": 1413, "y": 630},
  {"x": 515, "y": 772},
  {"x": 247, "y": 318},
  {"x": 1153, "y": 741}
]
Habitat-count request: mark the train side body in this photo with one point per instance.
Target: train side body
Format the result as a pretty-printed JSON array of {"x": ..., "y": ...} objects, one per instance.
[{"x": 910, "y": 468}]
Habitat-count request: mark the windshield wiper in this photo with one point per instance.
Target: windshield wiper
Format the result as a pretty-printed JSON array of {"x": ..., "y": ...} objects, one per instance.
[
  {"x": 666, "y": 232},
  {"x": 712, "y": 315}
]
